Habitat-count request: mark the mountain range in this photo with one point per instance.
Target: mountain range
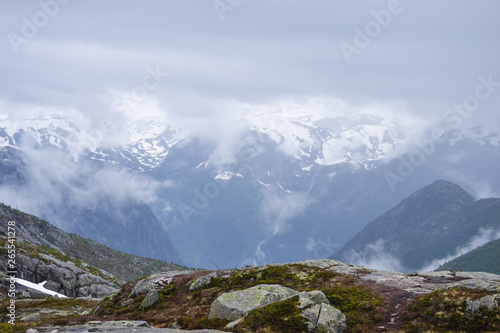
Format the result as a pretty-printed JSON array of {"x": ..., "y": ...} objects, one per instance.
[
  {"x": 288, "y": 185},
  {"x": 431, "y": 226},
  {"x": 36, "y": 237}
]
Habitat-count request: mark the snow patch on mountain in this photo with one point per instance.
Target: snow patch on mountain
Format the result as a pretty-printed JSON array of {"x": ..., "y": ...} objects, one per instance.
[{"x": 227, "y": 175}]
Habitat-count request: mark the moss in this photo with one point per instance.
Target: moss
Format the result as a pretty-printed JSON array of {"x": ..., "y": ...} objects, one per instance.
[
  {"x": 190, "y": 309},
  {"x": 205, "y": 323},
  {"x": 446, "y": 311},
  {"x": 322, "y": 276},
  {"x": 358, "y": 303},
  {"x": 6, "y": 328},
  {"x": 167, "y": 293},
  {"x": 48, "y": 319},
  {"x": 279, "y": 317},
  {"x": 295, "y": 276}
]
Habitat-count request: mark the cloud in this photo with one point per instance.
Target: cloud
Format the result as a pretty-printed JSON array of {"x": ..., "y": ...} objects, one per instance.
[
  {"x": 481, "y": 188},
  {"x": 484, "y": 236},
  {"x": 376, "y": 256},
  {"x": 53, "y": 180},
  {"x": 72, "y": 64},
  {"x": 277, "y": 209},
  {"x": 218, "y": 70}
]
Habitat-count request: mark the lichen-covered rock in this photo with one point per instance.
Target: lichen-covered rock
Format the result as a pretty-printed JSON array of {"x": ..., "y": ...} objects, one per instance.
[
  {"x": 322, "y": 317},
  {"x": 151, "y": 298},
  {"x": 331, "y": 320},
  {"x": 201, "y": 281},
  {"x": 62, "y": 277},
  {"x": 236, "y": 304},
  {"x": 314, "y": 306},
  {"x": 31, "y": 317},
  {"x": 159, "y": 279},
  {"x": 491, "y": 302}
]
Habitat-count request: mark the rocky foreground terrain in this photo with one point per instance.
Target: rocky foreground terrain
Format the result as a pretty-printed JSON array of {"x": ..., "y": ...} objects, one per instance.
[{"x": 308, "y": 296}]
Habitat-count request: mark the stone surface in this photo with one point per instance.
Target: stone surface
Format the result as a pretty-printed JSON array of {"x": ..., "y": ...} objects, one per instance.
[
  {"x": 31, "y": 317},
  {"x": 63, "y": 277},
  {"x": 491, "y": 302},
  {"x": 331, "y": 320},
  {"x": 161, "y": 279},
  {"x": 236, "y": 304},
  {"x": 201, "y": 281},
  {"x": 111, "y": 327},
  {"x": 321, "y": 315},
  {"x": 151, "y": 298}
]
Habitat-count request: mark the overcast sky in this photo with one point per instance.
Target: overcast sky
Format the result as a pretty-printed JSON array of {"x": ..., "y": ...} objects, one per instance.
[{"x": 85, "y": 55}]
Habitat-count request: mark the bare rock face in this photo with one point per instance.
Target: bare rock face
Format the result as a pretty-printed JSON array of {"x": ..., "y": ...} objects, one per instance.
[
  {"x": 201, "y": 281},
  {"x": 63, "y": 277},
  {"x": 490, "y": 302},
  {"x": 322, "y": 317},
  {"x": 315, "y": 308},
  {"x": 153, "y": 281},
  {"x": 237, "y": 304},
  {"x": 122, "y": 326},
  {"x": 151, "y": 298}
]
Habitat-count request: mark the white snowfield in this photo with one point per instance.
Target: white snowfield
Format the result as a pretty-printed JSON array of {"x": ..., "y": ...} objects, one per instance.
[{"x": 40, "y": 287}]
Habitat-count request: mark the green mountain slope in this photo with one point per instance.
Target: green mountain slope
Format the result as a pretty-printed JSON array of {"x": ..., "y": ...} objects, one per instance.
[
  {"x": 41, "y": 233},
  {"x": 485, "y": 258},
  {"x": 430, "y": 224}
]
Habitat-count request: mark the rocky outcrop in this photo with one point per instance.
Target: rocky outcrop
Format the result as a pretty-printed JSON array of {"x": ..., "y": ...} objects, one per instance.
[
  {"x": 123, "y": 326},
  {"x": 157, "y": 280},
  {"x": 201, "y": 281},
  {"x": 151, "y": 298},
  {"x": 62, "y": 277},
  {"x": 417, "y": 283},
  {"x": 321, "y": 316},
  {"x": 315, "y": 308},
  {"x": 237, "y": 304},
  {"x": 490, "y": 302},
  {"x": 44, "y": 236},
  {"x": 314, "y": 295}
]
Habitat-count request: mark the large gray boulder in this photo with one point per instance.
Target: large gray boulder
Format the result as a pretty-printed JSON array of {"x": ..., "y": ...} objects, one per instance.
[
  {"x": 320, "y": 315},
  {"x": 201, "y": 281},
  {"x": 331, "y": 320},
  {"x": 151, "y": 298},
  {"x": 237, "y": 304},
  {"x": 490, "y": 302}
]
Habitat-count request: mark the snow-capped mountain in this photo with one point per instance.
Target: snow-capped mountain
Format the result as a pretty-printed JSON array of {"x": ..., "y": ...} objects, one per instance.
[
  {"x": 145, "y": 145},
  {"x": 292, "y": 184},
  {"x": 311, "y": 138}
]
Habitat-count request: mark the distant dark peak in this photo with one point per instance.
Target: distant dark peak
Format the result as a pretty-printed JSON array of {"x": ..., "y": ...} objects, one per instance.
[{"x": 443, "y": 189}]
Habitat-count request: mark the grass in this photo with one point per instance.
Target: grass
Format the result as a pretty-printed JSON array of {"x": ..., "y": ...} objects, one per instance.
[
  {"x": 357, "y": 302},
  {"x": 446, "y": 311},
  {"x": 190, "y": 309},
  {"x": 279, "y": 317},
  {"x": 46, "y": 319}
]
